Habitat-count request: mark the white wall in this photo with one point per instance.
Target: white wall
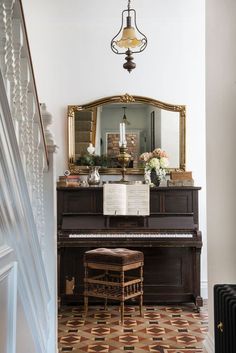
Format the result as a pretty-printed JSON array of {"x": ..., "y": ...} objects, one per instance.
[
  {"x": 70, "y": 45},
  {"x": 220, "y": 134}
]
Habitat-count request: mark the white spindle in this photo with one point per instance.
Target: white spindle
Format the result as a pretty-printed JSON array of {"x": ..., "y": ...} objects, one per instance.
[
  {"x": 41, "y": 225},
  {"x": 31, "y": 109},
  {"x": 2, "y": 40},
  {"x": 26, "y": 127},
  {"x": 10, "y": 62},
  {"x": 17, "y": 43},
  {"x": 35, "y": 151}
]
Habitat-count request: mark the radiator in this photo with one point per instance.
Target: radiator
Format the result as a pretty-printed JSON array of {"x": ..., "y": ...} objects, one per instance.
[{"x": 225, "y": 318}]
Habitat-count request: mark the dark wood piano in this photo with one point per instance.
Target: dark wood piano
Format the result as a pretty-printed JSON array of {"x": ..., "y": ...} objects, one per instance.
[{"x": 169, "y": 238}]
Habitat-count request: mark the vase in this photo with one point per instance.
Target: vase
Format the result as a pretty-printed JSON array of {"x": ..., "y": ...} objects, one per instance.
[
  {"x": 155, "y": 178},
  {"x": 93, "y": 176}
]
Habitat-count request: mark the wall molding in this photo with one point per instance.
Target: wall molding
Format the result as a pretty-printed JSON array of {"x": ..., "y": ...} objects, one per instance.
[
  {"x": 9, "y": 273},
  {"x": 5, "y": 250},
  {"x": 204, "y": 289},
  {"x": 209, "y": 344}
]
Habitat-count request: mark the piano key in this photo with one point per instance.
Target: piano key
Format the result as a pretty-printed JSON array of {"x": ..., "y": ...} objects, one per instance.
[{"x": 132, "y": 235}]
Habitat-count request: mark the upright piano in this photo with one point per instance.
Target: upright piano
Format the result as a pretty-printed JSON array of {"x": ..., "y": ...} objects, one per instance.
[{"x": 169, "y": 238}]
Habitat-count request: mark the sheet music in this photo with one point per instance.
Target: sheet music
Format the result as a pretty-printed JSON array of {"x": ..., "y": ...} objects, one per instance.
[{"x": 121, "y": 199}]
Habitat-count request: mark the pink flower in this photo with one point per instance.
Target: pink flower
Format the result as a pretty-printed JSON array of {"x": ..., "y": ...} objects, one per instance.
[
  {"x": 145, "y": 156},
  {"x": 158, "y": 152}
]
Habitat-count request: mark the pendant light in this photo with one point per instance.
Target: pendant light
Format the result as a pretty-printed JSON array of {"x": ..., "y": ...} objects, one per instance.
[{"x": 132, "y": 41}]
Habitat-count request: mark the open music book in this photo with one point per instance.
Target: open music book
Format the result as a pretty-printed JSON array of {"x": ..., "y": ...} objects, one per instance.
[{"x": 122, "y": 199}]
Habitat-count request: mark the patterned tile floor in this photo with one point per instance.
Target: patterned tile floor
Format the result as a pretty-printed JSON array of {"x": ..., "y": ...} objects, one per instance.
[{"x": 162, "y": 329}]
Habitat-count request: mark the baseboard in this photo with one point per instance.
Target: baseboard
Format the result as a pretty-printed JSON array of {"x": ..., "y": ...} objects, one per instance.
[
  {"x": 209, "y": 344},
  {"x": 204, "y": 289}
]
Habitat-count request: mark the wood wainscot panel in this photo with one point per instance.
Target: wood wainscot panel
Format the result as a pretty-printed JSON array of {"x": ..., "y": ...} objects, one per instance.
[
  {"x": 155, "y": 201},
  {"x": 83, "y": 221},
  {"x": 80, "y": 200},
  {"x": 178, "y": 201}
]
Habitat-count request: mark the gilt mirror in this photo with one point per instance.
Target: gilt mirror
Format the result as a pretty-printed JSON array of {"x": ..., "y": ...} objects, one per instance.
[{"x": 149, "y": 124}]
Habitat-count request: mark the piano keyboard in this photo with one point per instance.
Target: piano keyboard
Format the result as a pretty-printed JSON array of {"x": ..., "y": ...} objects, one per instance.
[{"x": 133, "y": 235}]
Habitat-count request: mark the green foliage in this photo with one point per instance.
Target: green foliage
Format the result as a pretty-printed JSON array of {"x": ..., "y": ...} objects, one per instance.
[{"x": 102, "y": 161}]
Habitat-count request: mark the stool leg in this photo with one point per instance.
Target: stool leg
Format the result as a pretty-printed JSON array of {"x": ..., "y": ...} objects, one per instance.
[
  {"x": 85, "y": 290},
  {"x": 122, "y": 304},
  {"x": 122, "y": 307},
  {"x": 141, "y": 290},
  {"x": 105, "y": 302}
]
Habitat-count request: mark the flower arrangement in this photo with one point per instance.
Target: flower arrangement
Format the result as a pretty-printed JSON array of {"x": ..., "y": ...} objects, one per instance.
[{"x": 156, "y": 163}]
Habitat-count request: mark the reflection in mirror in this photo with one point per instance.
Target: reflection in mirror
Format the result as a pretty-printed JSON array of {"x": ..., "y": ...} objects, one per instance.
[
  {"x": 149, "y": 124},
  {"x": 147, "y": 128}
]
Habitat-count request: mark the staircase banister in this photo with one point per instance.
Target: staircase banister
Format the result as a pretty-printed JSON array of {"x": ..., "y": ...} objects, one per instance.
[{"x": 28, "y": 53}]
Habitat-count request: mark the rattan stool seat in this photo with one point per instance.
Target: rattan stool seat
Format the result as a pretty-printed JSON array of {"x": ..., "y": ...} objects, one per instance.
[{"x": 105, "y": 276}]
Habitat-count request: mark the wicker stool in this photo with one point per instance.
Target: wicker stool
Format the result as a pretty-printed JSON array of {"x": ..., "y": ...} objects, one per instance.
[{"x": 105, "y": 276}]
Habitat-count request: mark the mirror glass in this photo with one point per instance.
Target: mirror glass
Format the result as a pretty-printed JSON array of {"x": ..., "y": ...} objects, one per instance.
[{"x": 149, "y": 124}]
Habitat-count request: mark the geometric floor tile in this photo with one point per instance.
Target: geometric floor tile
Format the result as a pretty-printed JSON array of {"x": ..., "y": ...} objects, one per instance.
[
  {"x": 70, "y": 339},
  {"x": 186, "y": 339},
  {"x": 155, "y": 331},
  {"x": 100, "y": 331},
  {"x": 179, "y": 322},
  {"x": 161, "y": 329},
  {"x": 156, "y": 349},
  {"x": 74, "y": 323},
  {"x": 98, "y": 348},
  {"x": 128, "y": 339}
]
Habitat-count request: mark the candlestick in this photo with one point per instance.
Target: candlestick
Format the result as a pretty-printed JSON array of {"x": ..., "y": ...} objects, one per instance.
[
  {"x": 124, "y": 159},
  {"x": 124, "y": 138},
  {"x": 122, "y": 141},
  {"x": 121, "y": 135}
]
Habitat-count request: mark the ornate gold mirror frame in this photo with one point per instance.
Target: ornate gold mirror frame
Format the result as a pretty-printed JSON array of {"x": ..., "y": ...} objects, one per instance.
[{"x": 92, "y": 107}]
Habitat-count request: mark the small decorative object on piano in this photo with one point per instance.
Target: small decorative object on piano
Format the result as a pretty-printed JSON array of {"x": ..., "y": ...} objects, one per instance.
[
  {"x": 69, "y": 180},
  {"x": 156, "y": 164},
  {"x": 180, "y": 175},
  {"x": 180, "y": 178},
  {"x": 91, "y": 148}
]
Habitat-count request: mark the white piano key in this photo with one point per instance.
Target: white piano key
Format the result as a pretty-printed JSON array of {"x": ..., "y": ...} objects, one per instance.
[{"x": 132, "y": 235}]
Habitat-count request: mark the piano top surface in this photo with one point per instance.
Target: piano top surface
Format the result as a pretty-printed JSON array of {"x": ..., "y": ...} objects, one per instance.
[{"x": 159, "y": 188}]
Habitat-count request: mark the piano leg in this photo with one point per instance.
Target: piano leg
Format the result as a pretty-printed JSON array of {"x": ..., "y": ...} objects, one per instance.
[
  {"x": 141, "y": 290},
  {"x": 85, "y": 290},
  {"x": 105, "y": 302},
  {"x": 122, "y": 303}
]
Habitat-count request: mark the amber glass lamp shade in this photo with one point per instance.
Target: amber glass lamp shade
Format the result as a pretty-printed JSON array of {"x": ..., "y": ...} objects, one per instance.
[{"x": 128, "y": 39}]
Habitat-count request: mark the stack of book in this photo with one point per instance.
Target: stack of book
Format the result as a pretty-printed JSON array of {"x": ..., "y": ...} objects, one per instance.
[
  {"x": 180, "y": 178},
  {"x": 69, "y": 180}
]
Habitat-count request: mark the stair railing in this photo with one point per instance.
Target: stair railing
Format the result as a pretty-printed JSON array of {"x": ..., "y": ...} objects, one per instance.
[
  {"x": 18, "y": 76},
  {"x": 32, "y": 185}
]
